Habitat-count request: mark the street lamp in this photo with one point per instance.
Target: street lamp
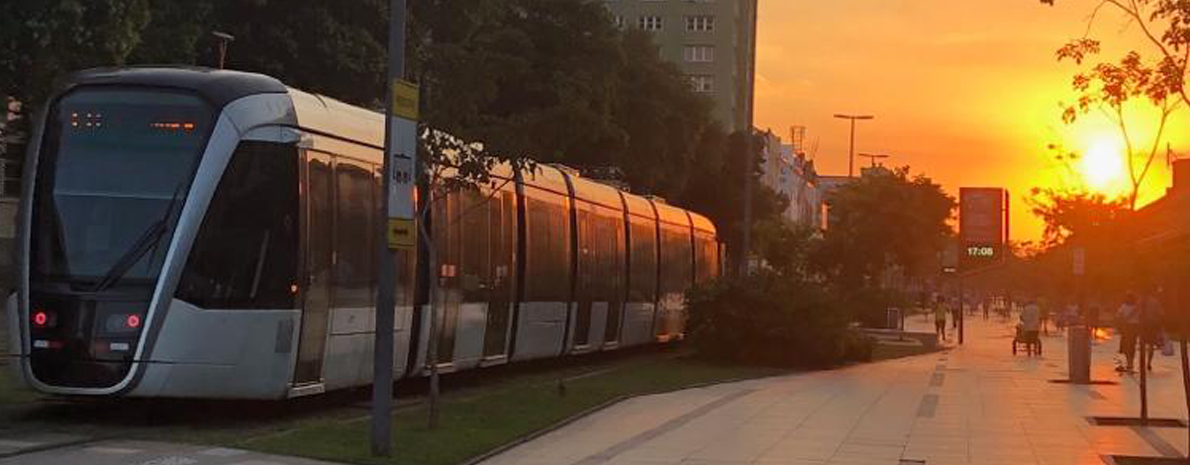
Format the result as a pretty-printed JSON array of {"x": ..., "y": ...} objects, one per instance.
[
  {"x": 851, "y": 161},
  {"x": 874, "y": 157},
  {"x": 223, "y": 38}
]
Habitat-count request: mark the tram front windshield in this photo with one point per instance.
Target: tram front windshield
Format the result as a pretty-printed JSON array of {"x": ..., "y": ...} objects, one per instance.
[{"x": 112, "y": 177}]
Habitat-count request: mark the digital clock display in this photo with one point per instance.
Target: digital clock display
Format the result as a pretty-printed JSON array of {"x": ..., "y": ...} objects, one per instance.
[{"x": 981, "y": 251}]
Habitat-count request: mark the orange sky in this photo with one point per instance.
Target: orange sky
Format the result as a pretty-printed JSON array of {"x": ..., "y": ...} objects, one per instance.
[{"x": 965, "y": 91}]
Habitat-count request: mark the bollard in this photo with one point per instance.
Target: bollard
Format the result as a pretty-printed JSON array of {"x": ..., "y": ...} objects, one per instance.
[{"x": 1078, "y": 347}]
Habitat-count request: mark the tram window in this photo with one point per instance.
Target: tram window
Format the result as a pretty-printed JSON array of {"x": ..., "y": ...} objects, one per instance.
[
  {"x": 707, "y": 259},
  {"x": 643, "y": 286},
  {"x": 677, "y": 275},
  {"x": 547, "y": 257},
  {"x": 354, "y": 228},
  {"x": 245, "y": 254},
  {"x": 475, "y": 267}
]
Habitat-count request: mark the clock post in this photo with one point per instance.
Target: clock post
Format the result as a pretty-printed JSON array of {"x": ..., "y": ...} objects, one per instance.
[{"x": 983, "y": 235}]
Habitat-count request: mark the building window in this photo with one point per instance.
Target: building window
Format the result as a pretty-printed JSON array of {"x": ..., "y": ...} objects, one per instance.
[
  {"x": 649, "y": 23},
  {"x": 702, "y": 83},
  {"x": 700, "y": 53},
  {"x": 700, "y": 23}
]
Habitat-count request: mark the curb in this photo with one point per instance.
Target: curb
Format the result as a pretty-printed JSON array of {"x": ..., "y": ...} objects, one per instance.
[{"x": 56, "y": 445}]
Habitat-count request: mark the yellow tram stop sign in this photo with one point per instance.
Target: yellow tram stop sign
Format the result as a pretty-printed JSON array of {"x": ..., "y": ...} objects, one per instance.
[
  {"x": 401, "y": 233},
  {"x": 405, "y": 99}
]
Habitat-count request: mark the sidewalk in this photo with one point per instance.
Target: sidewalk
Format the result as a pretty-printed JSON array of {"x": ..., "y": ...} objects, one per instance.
[{"x": 974, "y": 404}]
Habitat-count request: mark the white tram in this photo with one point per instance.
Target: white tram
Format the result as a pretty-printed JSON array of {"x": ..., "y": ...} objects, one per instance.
[{"x": 198, "y": 233}]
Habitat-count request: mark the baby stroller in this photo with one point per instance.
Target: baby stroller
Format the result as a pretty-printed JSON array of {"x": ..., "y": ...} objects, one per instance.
[{"x": 1031, "y": 342}]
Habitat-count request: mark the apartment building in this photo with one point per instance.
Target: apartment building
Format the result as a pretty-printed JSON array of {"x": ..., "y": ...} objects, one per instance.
[
  {"x": 788, "y": 172},
  {"x": 712, "y": 41}
]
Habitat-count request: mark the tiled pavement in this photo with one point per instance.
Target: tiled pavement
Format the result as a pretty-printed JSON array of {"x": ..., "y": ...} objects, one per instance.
[{"x": 974, "y": 404}]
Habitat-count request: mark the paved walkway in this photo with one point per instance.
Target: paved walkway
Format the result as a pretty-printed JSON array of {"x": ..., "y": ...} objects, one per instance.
[{"x": 974, "y": 404}]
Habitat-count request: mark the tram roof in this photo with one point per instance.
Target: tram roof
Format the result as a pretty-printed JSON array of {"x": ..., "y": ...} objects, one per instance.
[{"x": 218, "y": 86}]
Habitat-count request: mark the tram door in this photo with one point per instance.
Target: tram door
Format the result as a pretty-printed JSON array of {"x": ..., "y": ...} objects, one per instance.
[
  {"x": 317, "y": 202},
  {"x": 502, "y": 237}
]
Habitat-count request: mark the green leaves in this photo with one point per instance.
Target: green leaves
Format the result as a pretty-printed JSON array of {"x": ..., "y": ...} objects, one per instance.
[{"x": 885, "y": 219}]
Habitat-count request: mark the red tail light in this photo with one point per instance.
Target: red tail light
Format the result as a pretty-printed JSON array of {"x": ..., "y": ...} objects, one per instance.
[
  {"x": 133, "y": 321},
  {"x": 42, "y": 319}
]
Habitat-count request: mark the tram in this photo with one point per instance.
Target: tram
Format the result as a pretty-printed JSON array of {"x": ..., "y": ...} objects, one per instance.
[{"x": 198, "y": 233}]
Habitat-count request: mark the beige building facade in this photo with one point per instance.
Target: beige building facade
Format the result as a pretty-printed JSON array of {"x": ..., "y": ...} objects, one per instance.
[{"x": 712, "y": 41}]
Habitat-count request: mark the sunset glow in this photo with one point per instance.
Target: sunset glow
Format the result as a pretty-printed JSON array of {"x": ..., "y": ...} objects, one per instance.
[
  {"x": 1102, "y": 166},
  {"x": 969, "y": 93}
]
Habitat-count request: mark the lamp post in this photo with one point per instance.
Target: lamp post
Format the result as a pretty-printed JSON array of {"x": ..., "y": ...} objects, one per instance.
[
  {"x": 223, "y": 38},
  {"x": 853, "y": 118}
]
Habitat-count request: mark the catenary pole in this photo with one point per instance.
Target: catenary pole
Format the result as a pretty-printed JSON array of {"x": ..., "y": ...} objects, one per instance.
[
  {"x": 749, "y": 145},
  {"x": 382, "y": 369}
]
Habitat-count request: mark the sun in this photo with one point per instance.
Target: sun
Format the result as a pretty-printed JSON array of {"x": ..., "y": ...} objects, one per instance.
[{"x": 1102, "y": 165}]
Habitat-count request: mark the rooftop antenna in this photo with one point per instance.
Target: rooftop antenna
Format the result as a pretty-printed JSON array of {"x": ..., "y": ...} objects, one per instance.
[{"x": 223, "y": 38}]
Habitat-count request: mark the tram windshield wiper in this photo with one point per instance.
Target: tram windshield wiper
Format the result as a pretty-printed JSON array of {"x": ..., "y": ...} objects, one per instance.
[{"x": 147, "y": 241}]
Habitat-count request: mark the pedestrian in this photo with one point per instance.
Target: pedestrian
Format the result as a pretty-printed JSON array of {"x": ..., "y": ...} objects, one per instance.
[
  {"x": 940, "y": 317},
  {"x": 1128, "y": 323},
  {"x": 1152, "y": 315},
  {"x": 1030, "y": 320}
]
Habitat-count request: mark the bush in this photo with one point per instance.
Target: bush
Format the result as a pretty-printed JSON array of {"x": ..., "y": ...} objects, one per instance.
[
  {"x": 768, "y": 319},
  {"x": 858, "y": 347},
  {"x": 870, "y": 306}
]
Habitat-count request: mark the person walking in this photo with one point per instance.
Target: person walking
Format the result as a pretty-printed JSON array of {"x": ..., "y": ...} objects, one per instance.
[
  {"x": 940, "y": 317},
  {"x": 1128, "y": 322},
  {"x": 1030, "y": 321}
]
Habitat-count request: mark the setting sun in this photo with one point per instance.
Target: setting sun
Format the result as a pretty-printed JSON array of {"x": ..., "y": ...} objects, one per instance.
[{"x": 1102, "y": 165}]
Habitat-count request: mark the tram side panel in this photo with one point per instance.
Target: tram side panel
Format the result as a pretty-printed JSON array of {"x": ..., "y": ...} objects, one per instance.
[
  {"x": 546, "y": 300},
  {"x": 641, "y": 305},
  {"x": 475, "y": 233},
  {"x": 677, "y": 273}
]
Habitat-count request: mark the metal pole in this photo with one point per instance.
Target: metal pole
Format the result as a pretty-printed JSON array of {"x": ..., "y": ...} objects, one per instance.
[
  {"x": 1144, "y": 369},
  {"x": 749, "y": 162},
  {"x": 746, "y": 242},
  {"x": 960, "y": 314},
  {"x": 851, "y": 157},
  {"x": 382, "y": 356}
]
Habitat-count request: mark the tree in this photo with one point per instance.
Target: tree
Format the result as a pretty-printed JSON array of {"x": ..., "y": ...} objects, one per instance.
[
  {"x": 1111, "y": 87},
  {"x": 884, "y": 219},
  {"x": 41, "y": 40},
  {"x": 1087, "y": 216}
]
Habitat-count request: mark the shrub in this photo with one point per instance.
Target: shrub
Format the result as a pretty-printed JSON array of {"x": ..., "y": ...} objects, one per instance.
[
  {"x": 870, "y": 306},
  {"x": 768, "y": 319}
]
